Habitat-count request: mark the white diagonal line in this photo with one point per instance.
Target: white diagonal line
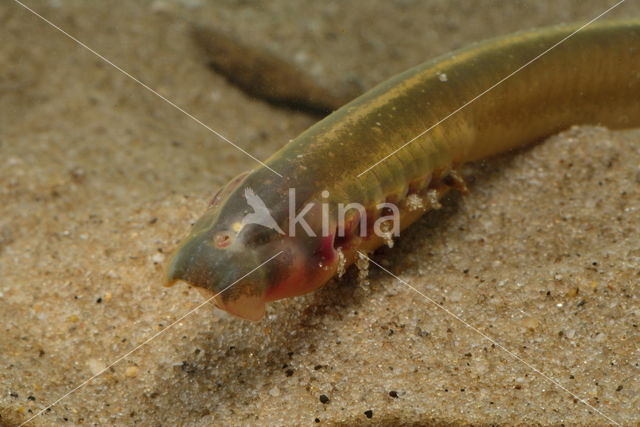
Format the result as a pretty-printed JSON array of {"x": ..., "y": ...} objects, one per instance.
[
  {"x": 490, "y": 88},
  {"x": 177, "y": 107},
  {"x": 491, "y": 340},
  {"x": 87, "y": 381}
]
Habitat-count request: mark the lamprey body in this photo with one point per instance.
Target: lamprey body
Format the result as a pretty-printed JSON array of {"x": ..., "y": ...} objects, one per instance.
[{"x": 592, "y": 77}]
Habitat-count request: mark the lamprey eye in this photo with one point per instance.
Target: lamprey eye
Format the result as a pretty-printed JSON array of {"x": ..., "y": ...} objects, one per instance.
[{"x": 222, "y": 239}]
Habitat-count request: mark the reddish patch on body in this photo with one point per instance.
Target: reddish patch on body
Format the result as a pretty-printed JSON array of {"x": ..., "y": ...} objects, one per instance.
[
  {"x": 307, "y": 273},
  {"x": 326, "y": 252}
]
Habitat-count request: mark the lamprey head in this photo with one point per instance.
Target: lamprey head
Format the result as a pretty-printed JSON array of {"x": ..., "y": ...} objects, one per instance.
[
  {"x": 218, "y": 261},
  {"x": 222, "y": 255}
]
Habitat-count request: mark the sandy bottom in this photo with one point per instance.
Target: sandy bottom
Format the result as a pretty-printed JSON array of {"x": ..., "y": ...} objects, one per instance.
[{"x": 99, "y": 179}]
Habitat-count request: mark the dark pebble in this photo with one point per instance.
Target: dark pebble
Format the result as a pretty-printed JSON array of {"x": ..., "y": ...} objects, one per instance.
[
  {"x": 14, "y": 395},
  {"x": 99, "y": 300},
  {"x": 317, "y": 420},
  {"x": 32, "y": 398},
  {"x": 289, "y": 372},
  {"x": 369, "y": 413},
  {"x": 393, "y": 394},
  {"x": 619, "y": 388},
  {"x": 324, "y": 399},
  {"x": 419, "y": 332}
]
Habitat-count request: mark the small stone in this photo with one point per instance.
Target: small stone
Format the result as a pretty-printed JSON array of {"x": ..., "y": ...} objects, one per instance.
[
  {"x": 619, "y": 388},
  {"x": 393, "y": 394},
  {"x": 96, "y": 366},
  {"x": 131, "y": 371},
  {"x": 530, "y": 323},
  {"x": 275, "y": 391},
  {"x": 420, "y": 332},
  {"x": 324, "y": 399},
  {"x": 368, "y": 413},
  {"x": 160, "y": 6}
]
